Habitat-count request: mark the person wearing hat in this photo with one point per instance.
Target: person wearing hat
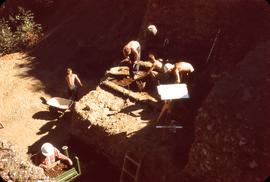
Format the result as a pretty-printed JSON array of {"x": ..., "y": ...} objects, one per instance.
[
  {"x": 132, "y": 54},
  {"x": 178, "y": 69},
  {"x": 152, "y": 29},
  {"x": 50, "y": 153}
]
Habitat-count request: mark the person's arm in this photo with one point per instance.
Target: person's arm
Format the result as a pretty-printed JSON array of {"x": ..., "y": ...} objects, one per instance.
[
  {"x": 61, "y": 156},
  {"x": 136, "y": 54},
  {"x": 79, "y": 81},
  {"x": 43, "y": 166},
  {"x": 125, "y": 60},
  {"x": 176, "y": 72},
  {"x": 124, "y": 52},
  {"x": 151, "y": 69},
  {"x": 67, "y": 79}
]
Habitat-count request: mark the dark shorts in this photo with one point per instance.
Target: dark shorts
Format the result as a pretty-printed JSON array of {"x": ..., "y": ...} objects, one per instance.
[{"x": 73, "y": 93}]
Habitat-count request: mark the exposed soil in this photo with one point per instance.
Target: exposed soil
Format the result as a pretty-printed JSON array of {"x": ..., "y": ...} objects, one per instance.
[
  {"x": 113, "y": 124},
  {"x": 22, "y": 111},
  {"x": 28, "y": 122}
]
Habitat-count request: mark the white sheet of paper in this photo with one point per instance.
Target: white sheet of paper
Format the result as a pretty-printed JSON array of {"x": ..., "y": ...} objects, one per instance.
[{"x": 173, "y": 91}]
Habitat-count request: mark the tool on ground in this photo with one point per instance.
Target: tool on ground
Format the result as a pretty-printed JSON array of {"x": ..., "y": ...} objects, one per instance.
[
  {"x": 213, "y": 45},
  {"x": 172, "y": 127},
  {"x": 128, "y": 161}
]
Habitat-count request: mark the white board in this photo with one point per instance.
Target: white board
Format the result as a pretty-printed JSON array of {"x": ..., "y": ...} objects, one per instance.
[{"x": 173, "y": 91}]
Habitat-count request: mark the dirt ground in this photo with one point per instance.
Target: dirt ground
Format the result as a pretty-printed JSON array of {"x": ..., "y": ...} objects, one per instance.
[{"x": 21, "y": 111}]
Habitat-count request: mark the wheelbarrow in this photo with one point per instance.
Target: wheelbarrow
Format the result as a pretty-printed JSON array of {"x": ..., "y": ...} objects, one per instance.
[{"x": 59, "y": 106}]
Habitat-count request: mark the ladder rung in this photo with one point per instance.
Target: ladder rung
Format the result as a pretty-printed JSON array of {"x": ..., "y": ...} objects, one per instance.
[
  {"x": 128, "y": 172},
  {"x": 131, "y": 175},
  {"x": 132, "y": 160}
]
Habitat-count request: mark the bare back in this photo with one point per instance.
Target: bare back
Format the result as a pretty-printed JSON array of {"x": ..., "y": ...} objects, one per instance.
[
  {"x": 134, "y": 45},
  {"x": 183, "y": 67},
  {"x": 71, "y": 80}
]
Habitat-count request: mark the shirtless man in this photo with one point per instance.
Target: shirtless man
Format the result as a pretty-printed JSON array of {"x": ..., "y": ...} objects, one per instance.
[
  {"x": 156, "y": 64},
  {"x": 73, "y": 89},
  {"x": 132, "y": 54},
  {"x": 178, "y": 69}
]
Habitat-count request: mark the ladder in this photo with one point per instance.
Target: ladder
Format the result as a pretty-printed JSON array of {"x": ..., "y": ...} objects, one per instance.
[{"x": 130, "y": 168}]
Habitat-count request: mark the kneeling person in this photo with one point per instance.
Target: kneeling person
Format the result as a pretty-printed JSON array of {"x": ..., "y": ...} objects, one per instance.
[{"x": 50, "y": 153}]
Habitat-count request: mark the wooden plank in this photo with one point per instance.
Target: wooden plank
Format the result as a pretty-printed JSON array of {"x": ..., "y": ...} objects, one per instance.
[
  {"x": 138, "y": 96},
  {"x": 52, "y": 165}
]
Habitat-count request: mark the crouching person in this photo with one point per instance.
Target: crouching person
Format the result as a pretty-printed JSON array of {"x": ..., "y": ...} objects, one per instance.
[
  {"x": 132, "y": 54},
  {"x": 49, "y": 155},
  {"x": 178, "y": 69}
]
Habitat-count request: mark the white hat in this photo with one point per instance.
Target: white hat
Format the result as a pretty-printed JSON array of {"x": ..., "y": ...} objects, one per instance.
[
  {"x": 152, "y": 29},
  {"x": 168, "y": 67},
  {"x": 47, "y": 149}
]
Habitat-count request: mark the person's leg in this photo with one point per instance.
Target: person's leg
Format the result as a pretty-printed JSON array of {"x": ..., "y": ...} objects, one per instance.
[
  {"x": 139, "y": 53},
  {"x": 75, "y": 94},
  {"x": 69, "y": 93},
  {"x": 136, "y": 65},
  {"x": 130, "y": 68}
]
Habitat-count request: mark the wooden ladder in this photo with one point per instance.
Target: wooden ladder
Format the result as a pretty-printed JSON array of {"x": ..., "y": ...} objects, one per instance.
[{"x": 126, "y": 171}]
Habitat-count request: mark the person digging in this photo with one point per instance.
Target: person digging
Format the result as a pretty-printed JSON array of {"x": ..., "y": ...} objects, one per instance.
[
  {"x": 178, "y": 69},
  {"x": 49, "y": 156},
  {"x": 156, "y": 69},
  {"x": 132, "y": 55}
]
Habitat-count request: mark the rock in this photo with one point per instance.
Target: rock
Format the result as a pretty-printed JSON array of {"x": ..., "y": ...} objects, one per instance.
[
  {"x": 204, "y": 151},
  {"x": 242, "y": 142},
  {"x": 209, "y": 127},
  {"x": 253, "y": 164}
]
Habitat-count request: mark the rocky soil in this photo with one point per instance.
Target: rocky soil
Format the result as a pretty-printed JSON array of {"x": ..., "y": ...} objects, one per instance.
[
  {"x": 225, "y": 123},
  {"x": 232, "y": 126},
  {"x": 15, "y": 168}
]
